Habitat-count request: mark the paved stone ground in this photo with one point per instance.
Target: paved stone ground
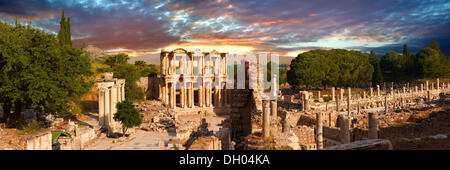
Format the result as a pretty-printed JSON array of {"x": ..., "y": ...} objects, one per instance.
[{"x": 144, "y": 140}]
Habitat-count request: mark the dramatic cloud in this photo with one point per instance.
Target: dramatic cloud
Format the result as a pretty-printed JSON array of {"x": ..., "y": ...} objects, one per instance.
[{"x": 284, "y": 27}]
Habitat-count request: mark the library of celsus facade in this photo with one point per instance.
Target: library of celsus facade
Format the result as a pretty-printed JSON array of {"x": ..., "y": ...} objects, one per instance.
[{"x": 195, "y": 88}]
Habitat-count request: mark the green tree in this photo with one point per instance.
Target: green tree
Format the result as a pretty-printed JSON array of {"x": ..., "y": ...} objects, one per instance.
[
  {"x": 117, "y": 59},
  {"x": 131, "y": 74},
  {"x": 377, "y": 77},
  {"x": 140, "y": 64},
  {"x": 430, "y": 62},
  {"x": 64, "y": 34},
  {"x": 127, "y": 115},
  {"x": 434, "y": 45},
  {"x": 330, "y": 67},
  {"x": 36, "y": 71}
]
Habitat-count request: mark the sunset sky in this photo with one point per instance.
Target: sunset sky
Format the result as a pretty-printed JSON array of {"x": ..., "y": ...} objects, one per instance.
[{"x": 284, "y": 27}]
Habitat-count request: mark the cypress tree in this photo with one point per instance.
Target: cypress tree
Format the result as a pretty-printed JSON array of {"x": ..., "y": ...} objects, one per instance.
[
  {"x": 64, "y": 34},
  {"x": 68, "y": 33},
  {"x": 434, "y": 45},
  {"x": 62, "y": 30}
]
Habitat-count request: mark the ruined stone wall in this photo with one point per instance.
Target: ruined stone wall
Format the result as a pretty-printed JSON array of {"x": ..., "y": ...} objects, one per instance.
[
  {"x": 305, "y": 135},
  {"x": 83, "y": 136},
  {"x": 41, "y": 141},
  {"x": 149, "y": 85}
]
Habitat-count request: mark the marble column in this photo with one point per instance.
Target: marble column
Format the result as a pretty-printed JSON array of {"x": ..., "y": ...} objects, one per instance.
[
  {"x": 107, "y": 107},
  {"x": 426, "y": 86},
  {"x": 373, "y": 129},
  {"x": 101, "y": 106},
  {"x": 385, "y": 105},
  {"x": 378, "y": 90},
  {"x": 437, "y": 83},
  {"x": 200, "y": 96},
  {"x": 337, "y": 105},
  {"x": 349, "y": 93},
  {"x": 266, "y": 119},
  {"x": 273, "y": 108},
  {"x": 341, "y": 94},
  {"x": 113, "y": 103},
  {"x": 348, "y": 106},
  {"x": 319, "y": 131},
  {"x": 371, "y": 92},
  {"x": 285, "y": 123},
  {"x": 345, "y": 130},
  {"x": 182, "y": 96}
]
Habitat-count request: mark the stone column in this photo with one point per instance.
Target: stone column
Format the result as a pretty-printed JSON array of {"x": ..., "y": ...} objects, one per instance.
[
  {"x": 200, "y": 95},
  {"x": 350, "y": 93},
  {"x": 337, "y": 105},
  {"x": 392, "y": 91},
  {"x": 191, "y": 90},
  {"x": 373, "y": 129},
  {"x": 426, "y": 85},
  {"x": 421, "y": 88},
  {"x": 113, "y": 103},
  {"x": 219, "y": 97},
  {"x": 344, "y": 130},
  {"x": 348, "y": 106},
  {"x": 266, "y": 119},
  {"x": 319, "y": 131},
  {"x": 371, "y": 92},
  {"x": 167, "y": 94},
  {"x": 432, "y": 86},
  {"x": 107, "y": 107},
  {"x": 428, "y": 96},
  {"x": 378, "y": 90},
  {"x": 101, "y": 106},
  {"x": 273, "y": 108},
  {"x": 285, "y": 122},
  {"x": 437, "y": 83},
  {"x": 364, "y": 94},
  {"x": 341, "y": 94},
  {"x": 183, "y": 96},
  {"x": 333, "y": 94},
  {"x": 404, "y": 90},
  {"x": 416, "y": 89},
  {"x": 385, "y": 105}
]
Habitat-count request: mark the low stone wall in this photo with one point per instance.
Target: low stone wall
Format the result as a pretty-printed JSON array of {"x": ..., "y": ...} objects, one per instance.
[
  {"x": 305, "y": 135},
  {"x": 83, "y": 136},
  {"x": 41, "y": 141},
  {"x": 206, "y": 143},
  {"x": 331, "y": 133}
]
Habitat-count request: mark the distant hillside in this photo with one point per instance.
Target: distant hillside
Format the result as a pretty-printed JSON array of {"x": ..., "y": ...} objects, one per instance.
[
  {"x": 95, "y": 53},
  {"x": 154, "y": 59},
  {"x": 286, "y": 60},
  {"x": 149, "y": 58}
]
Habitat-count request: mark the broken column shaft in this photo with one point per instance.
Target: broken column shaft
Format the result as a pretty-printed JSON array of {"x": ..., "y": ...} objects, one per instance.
[
  {"x": 373, "y": 131},
  {"x": 319, "y": 131}
]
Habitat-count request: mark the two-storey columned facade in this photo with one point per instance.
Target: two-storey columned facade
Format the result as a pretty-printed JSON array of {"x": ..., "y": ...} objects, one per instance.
[{"x": 193, "y": 79}]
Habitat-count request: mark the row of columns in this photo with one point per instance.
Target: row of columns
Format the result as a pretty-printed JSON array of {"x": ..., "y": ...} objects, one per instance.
[
  {"x": 111, "y": 92},
  {"x": 269, "y": 112},
  {"x": 205, "y": 94}
]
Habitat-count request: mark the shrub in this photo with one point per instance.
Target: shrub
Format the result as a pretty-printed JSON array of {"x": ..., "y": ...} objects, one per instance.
[{"x": 127, "y": 115}]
